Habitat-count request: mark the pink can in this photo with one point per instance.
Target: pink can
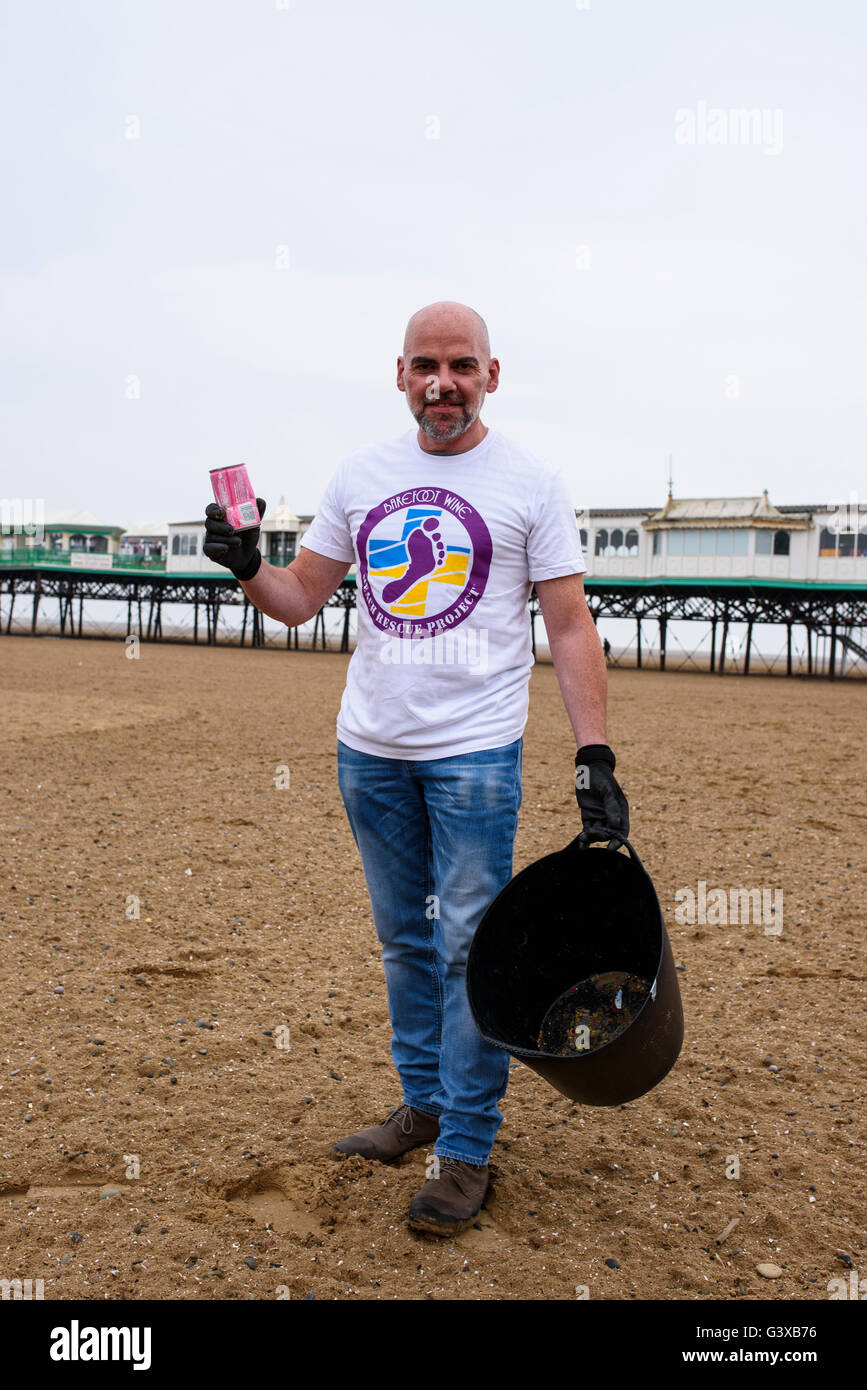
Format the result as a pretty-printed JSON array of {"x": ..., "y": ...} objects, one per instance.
[{"x": 234, "y": 492}]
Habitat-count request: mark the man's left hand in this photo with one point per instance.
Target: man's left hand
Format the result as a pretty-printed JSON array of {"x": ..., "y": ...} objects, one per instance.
[{"x": 604, "y": 810}]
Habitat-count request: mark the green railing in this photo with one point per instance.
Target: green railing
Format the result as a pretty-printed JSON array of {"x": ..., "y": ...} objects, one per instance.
[
  {"x": 43, "y": 557},
  {"x": 40, "y": 556}
]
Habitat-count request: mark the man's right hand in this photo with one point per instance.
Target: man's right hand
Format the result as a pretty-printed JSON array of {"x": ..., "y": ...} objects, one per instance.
[{"x": 237, "y": 550}]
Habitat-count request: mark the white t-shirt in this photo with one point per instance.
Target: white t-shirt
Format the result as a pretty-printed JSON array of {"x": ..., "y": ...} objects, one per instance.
[{"x": 447, "y": 547}]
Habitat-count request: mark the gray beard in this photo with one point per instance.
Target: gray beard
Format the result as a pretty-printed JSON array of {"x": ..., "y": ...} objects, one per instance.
[{"x": 446, "y": 429}]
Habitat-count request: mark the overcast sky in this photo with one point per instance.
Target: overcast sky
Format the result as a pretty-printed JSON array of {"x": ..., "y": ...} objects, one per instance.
[{"x": 232, "y": 282}]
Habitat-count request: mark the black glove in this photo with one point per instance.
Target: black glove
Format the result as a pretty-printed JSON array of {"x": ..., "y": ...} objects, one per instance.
[
  {"x": 237, "y": 550},
  {"x": 604, "y": 812}
]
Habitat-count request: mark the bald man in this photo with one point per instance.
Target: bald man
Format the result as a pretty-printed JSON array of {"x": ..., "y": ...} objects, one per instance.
[{"x": 450, "y": 525}]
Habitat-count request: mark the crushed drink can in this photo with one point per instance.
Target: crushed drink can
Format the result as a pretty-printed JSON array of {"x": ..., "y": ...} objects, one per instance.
[{"x": 234, "y": 492}]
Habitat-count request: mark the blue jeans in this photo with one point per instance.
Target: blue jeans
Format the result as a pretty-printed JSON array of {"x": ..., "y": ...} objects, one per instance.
[{"x": 436, "y": 841}]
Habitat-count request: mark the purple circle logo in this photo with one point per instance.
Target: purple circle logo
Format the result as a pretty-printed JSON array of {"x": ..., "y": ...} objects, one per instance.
[{"x": 423, "y": 561}]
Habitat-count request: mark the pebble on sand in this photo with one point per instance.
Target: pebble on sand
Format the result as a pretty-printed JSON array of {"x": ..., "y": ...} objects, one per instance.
[{"x": 769, "y": 1271}]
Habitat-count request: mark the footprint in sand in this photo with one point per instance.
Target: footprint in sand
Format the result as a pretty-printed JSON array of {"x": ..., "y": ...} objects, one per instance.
[{"x": 423, "y": 560}]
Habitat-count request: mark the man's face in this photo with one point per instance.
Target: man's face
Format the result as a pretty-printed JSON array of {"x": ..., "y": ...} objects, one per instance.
[{"x": 445, "y": 375}]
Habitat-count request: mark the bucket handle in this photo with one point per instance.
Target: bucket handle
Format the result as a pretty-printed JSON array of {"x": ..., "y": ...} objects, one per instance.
[{"x": 600, "y": 832}]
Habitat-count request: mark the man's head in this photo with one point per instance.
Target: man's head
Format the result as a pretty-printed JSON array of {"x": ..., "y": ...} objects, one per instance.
[{"x": 446, "y": 369}]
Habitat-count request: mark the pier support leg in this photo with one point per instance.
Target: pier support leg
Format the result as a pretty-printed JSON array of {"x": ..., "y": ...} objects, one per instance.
[{"x": 832, "y": 660}]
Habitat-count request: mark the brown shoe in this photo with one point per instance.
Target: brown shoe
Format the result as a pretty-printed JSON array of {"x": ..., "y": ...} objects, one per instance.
[
  {"x": 405, "y": 1128},
  {"x": 449, "y": 1203}
]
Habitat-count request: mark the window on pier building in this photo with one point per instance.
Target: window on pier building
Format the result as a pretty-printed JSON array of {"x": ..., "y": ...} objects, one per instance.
[
  {"x": 772, "y": 542},
  {"x": 601, "y": 541},
  {"x": 843, "y": 544},
  {"x": 176, "y": 545},
  {"x": 282, "y": 546},
  {"x": 723, "y": 540},
  {"x": 657, "y": 542},
  {"x": 631, "y": 542}
]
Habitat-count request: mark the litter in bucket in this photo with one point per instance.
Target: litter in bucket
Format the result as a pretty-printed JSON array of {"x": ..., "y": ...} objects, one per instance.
[{"x": 592, "y": 1013}]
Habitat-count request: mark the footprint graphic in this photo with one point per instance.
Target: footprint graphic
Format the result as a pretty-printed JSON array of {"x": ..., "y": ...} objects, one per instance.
[{"x": 422, "y": 559}]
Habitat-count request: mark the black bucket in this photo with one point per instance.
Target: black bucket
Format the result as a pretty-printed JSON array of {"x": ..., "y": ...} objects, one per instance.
[{"x": 578, "y": 913}]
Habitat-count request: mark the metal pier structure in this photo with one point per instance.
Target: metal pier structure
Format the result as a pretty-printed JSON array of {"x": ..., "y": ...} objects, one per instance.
[
  {"x": 145, "y": 594},
  {"x": 833, "y": 613}
]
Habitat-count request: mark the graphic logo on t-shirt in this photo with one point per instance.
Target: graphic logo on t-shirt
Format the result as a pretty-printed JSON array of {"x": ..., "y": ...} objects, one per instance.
[{"x": 424, "y": 557}]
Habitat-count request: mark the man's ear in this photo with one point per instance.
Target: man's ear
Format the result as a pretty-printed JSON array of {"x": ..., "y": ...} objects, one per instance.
[
  {"x": 493, "y": 374},
  {"x": 400, "y": 381}
]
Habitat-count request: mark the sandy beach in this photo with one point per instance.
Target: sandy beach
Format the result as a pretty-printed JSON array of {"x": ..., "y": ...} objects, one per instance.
[{"x": 194, "y": 1005}]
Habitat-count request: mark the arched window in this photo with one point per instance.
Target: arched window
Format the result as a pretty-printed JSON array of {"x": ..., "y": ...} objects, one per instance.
[
  {"x": 846, "y": 544},
  {"x": 194, "y": 544},
  {"x": 601, "y": 541},
  {"x": 77, "y": 542},
  {"x": 176, "y": 545},
  {"x": 583, "y": 540},
  {"x": 185, "y": 545},
  {"x": 781, "y": 542},
  {"x": 98, "y": 545},
  {"x": 617, "y": 540},
  {"x": 632, "y": 542}
]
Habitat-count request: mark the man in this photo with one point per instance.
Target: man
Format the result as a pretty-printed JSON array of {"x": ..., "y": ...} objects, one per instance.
[{"x": 450, "y": 526}]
